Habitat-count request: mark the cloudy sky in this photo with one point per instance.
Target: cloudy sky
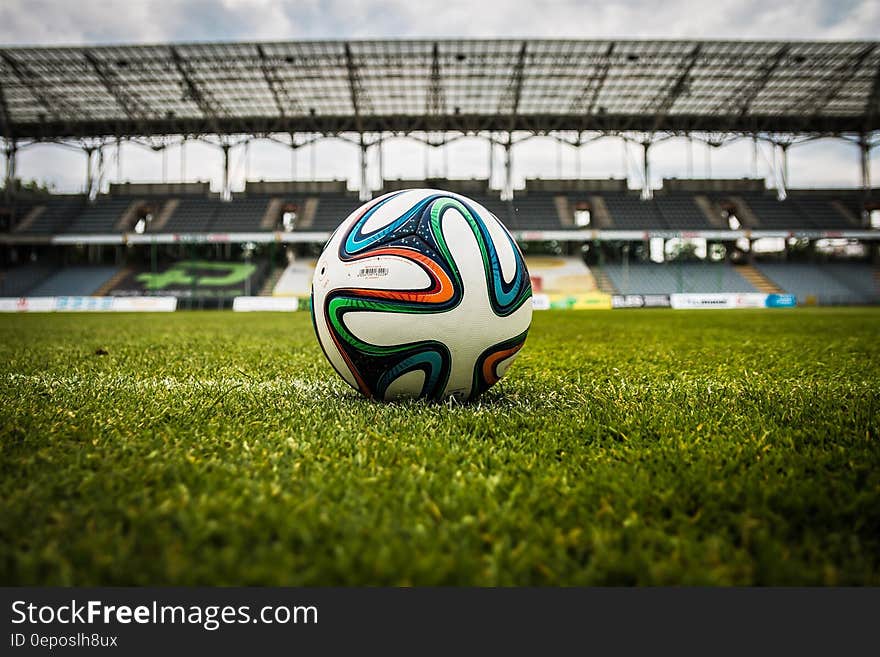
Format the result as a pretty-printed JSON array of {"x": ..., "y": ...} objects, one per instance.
[{"x": 822, "y": 163}]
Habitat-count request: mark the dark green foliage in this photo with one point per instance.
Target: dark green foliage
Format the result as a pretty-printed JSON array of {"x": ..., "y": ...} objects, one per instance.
[{"x": 627, "y": 447}]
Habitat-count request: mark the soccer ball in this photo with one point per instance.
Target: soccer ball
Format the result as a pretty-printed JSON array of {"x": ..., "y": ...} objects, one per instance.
[{"x": 421, "y": 293}]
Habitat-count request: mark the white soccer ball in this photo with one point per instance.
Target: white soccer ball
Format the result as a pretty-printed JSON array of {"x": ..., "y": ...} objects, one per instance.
[{"x": 421, "y": 293}]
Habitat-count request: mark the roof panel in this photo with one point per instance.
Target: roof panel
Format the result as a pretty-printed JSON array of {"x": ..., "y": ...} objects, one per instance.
[{"x": 448, "y": 84}]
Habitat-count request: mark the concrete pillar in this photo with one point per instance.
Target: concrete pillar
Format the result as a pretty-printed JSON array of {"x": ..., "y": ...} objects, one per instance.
[
  {"x": 225, "y": 193},
  {"x": 785, "y": 167},
  {"x": 364, "y": 192},
  {"x": 507, "y": 192},
  {"x": 754, "y": 156},
  {"x": 690, "y": 156},
  {"x": 646, "y": 171},
  {"x": 491, "y": 159},
  {"x": 381, "y": 162},
  {"x": 11, "y": 157},
  {"x": 865, "y": 162},
  {"x": 89, "y": 175},
  {"x": 183, "y": 161},
  {"x": 783, "y": 171},
  {"x": 118, "y": 160}
]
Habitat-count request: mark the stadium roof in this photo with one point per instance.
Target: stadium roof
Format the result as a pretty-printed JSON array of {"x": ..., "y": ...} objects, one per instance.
[{"x": 458, "y": 85}]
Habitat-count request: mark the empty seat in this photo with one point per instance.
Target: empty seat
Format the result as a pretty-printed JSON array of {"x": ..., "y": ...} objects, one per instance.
[
  {"x": 74, "y": 281},
  {"x": 827, "y": 283},
  {"x": 668, "y": 278}
]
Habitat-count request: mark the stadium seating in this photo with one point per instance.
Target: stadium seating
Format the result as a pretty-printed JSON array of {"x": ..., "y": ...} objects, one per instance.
[
  {"x": 820, "y": 213},
  {"x": 193, "y": 215},
  {"x": 241, "y": 215},
  {"x": 73, "y": 281},
  {"x": 332, "y": 209},
  {"x": 100, "y": 216},
  {"x": 54, "y": 214},
  {"x": 680, "y": 211},
  {"x": 667, "y": 278},
  {"x": 827, "y": 284},
  {"x": 669, "y": 210},
  {"x": 629, "y": 212},
  {"x": 19, "y": 281},
  {"x": 532, "y": 211}
]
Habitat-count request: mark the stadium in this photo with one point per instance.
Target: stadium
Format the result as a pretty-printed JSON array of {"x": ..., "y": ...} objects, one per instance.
[{"x": 697, "y": 402}]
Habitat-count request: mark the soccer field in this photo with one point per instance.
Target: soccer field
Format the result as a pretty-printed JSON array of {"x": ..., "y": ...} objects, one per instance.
[{"x": 625, "y": 447}]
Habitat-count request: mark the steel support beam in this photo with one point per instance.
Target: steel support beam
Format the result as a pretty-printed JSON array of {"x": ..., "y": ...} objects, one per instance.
[
  {"x": 436, "y": 105},
  {"x": 589, "y": 95},
  {"x": 872, "y": 105},
  {"x": 742, "y": 99},
  {"x": 46, "y": 130},
  {"x": 131, "y": 105},
  {"x": 839, "y": 78},
  {"x": 512, "y": 96},
  {"x": 679, "y": 86},
  {"x": 5, "y": 121},
  {"x": 201, "y": 97},
  {"x": 354, "y": 87},
  {"x": 58, "y": 108},
  {"x": 275, "y": 83}
]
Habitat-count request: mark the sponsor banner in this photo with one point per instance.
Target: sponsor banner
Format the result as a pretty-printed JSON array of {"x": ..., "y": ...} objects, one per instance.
[
  {"x": 730, "y": 300},
  {"x": 640, "y": 301},
  {"x": 83, "y": 304},
  {"x": 144, "y": 304},
  {"x": 717, "y": 300},
  {"x": 585, "y": 301},
  {"x": 540, "y": 302},
  {"x": 781, "y": 301},
  {"x": 27, "y": 304},
  {"x": 116, "y": 304},
  {"x": 264, "y": 304},
  {"x": 656, "y": 300},
  {"x": 88, "y": 304}
]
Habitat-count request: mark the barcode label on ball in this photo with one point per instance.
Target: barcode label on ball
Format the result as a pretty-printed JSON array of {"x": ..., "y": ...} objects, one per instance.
[{"x": 372, "y": 272}]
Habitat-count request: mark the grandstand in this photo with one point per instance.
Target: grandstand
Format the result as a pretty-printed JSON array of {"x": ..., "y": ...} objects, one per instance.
[{"x": 110, "y": 239}]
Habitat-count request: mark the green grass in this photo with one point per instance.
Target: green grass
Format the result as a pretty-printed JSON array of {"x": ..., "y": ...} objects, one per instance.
[{"x": 627, "y": 447}]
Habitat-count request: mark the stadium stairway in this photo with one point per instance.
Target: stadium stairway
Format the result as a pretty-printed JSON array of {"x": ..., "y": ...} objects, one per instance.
[
  {"x": 563, "y": 209},
  {"x": 603, "y": 281},
  {"x": 164, "y": 215},
  {"x": 600, "y": 218},
  {"x": 710, "y": 211},
  {"x": 112, "y": 282},
  {"x": 757, "y": 279},
  {"x": 270, "y": 216},
  {"x": 271, "y": 281},
  {"x": 848, "y": 214},
  {"x": 29, "y": 219}
]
